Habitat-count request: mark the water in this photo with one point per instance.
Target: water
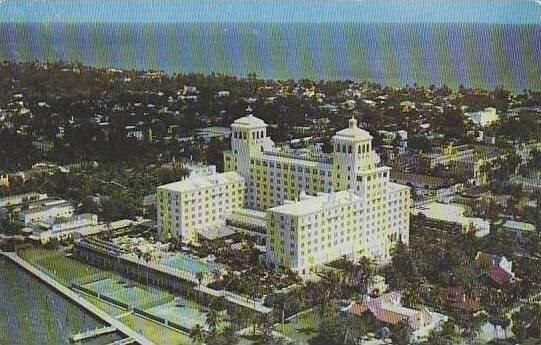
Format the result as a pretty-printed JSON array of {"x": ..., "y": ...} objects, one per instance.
[
  {"x": 187, "y": 264},
  {"x": 33, "y": 313},
  {"x": 481, "y": 44}
]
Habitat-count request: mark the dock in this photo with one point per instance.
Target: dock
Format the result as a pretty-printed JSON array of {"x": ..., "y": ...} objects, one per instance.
[
  {"x": 125, "y": 341},
  {"x": 92, "y": 333},
  {"x": 79, "y": 300}
]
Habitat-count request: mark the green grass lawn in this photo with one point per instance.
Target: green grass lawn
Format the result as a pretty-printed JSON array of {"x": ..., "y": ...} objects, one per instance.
[
  {"x": 54, "y": 263},
  {"x": 301, "y": 328},
  {"x": 106, "y": 307},
  {"x": 154, "y": 332}
]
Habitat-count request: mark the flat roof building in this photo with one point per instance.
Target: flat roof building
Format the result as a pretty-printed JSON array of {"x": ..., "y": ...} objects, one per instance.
[{"x": 198, "y": 202}]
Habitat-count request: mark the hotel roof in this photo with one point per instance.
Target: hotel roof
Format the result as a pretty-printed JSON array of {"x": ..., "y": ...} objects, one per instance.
[
  {"x": 199, "y": 182},
  {"x": 313, "y": 204},
  {"x": 353, "y": 132},
  {"x": 251, "y": 121}
]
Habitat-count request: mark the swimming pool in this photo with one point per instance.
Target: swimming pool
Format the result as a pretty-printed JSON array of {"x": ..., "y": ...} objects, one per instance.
[{"x": 185, "y": 263}]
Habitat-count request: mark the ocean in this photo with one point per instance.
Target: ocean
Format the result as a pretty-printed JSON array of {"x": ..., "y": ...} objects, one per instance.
[{"x": 483, "y": 44}]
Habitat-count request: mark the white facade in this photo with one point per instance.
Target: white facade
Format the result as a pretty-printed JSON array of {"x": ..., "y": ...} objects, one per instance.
[
  {"x": 14, "y": 200},
  {"x": 199, "y": 169},
  {"x": 75, "y": 222},
  {"x": 483, "y": 118},
  {"x": 197, "y": 203},
  {"x": 47, "y": 212}
]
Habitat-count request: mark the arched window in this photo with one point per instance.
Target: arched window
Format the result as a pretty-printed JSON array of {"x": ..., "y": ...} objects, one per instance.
[
  {"x": 349, "y": 149},
  {"x": 344, "y": 148}
]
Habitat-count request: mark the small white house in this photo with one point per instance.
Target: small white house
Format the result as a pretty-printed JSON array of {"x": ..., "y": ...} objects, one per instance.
[{"x": 483, "y": 118}]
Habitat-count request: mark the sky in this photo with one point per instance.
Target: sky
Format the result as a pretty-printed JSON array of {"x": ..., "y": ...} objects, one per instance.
[{"x": 266, "y": 11}]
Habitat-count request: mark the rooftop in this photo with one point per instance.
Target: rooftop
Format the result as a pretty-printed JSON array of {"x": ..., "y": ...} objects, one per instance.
[
  {"x": 313, "y": 204},
  {"x": 520, "y": 226},
  {"x": 353, "y": 132},
  {"x": 250, "y": 120},
  {"x": 198, "y": 182},
  {"x": 428, "y": 181}
]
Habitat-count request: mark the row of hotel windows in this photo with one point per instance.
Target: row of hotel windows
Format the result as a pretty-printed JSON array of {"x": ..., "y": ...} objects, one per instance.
[
  {"x": 200, "y": 207},
  {"x": 244, "y": 135},
  {"x": 364, "y": 148},
  {"x": 258, "y": 173},
  {"x": 176, "y": 195},
  {"x": 286, "y": 166},
  {"x": 314, "y": 171},
  {"x": 323, "y": 246},
  {"x": 199, "y": 202}
]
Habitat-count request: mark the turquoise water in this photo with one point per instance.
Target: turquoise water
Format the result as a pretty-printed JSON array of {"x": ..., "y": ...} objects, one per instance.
[
  {"x": 187, "y": 264},
  {"x": 483, "y": 44},
  {"x": 32, "y": 313}
]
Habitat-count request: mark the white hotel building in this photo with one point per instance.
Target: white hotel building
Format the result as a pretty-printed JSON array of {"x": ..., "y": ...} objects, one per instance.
[
  {"x": 198, "y": 203},
  {"x": 348, "y": 206}
]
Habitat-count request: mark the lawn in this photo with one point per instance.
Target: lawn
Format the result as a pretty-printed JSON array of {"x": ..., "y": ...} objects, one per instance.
[
  {"x": 302, "y": 328},
  {"x": 155, "y": 332},
  {"x": 106, "y": 307},
  {"x": 54, "y": 263},
  {"x": 183, "y": 312}
]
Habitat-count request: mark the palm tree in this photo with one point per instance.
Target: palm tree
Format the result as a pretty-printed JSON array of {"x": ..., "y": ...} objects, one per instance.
[
  {"x": 264, "y": 323},
  {"x": 451, "y": 332},
  {"x": 229, "y": 335},
  {"x": 199, "y": 276},
  {"x": 410, "y": 297},
  {"x": 197, "y": 334},
  {"x": 213, "y": 319}
]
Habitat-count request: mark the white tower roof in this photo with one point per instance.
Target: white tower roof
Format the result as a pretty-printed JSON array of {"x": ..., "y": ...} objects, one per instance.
[
  {"x": 353, "y": 132},
  {"x": 250, "y": 121}
]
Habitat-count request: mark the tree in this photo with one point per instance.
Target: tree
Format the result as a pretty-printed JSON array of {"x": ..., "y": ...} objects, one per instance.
[
  {"x": 264, "y": 324},
  {"x": 448, "y": 334},
  {"x": 197, "y": 334},
  {"x": 473, "y": 325},
  {"x": 527, "y": 322},
  {"x": 199, "y": 276},
  {"x": 213, "y": 319},
  {"x": 402, "y": 333},
  {"x": 410, "y": 297},
  {"x": 452, "y": 123}
]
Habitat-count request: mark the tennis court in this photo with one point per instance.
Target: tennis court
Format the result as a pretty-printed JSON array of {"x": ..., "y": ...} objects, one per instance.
[
  {"x": 129, "y": 293},
  {"x": 181, "y": 311}
]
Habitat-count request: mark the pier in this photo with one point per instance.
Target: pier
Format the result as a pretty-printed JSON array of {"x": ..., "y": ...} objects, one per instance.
[
  {"x": 125, "y": 341},
  {"x": 92, "y": 333}
]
